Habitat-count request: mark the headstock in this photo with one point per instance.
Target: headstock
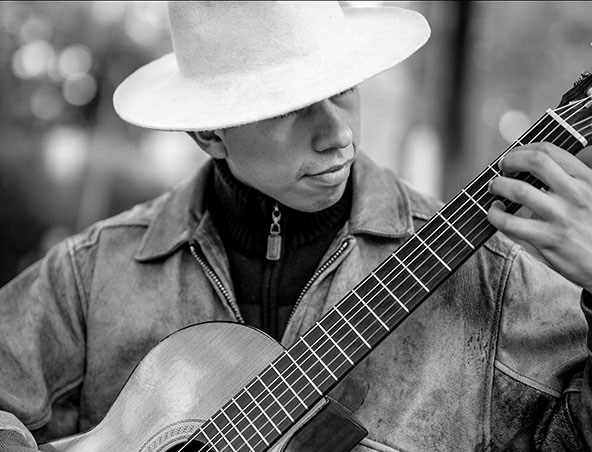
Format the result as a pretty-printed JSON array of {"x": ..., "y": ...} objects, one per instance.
[
  {"x": 580, "y": 89},
  {"x": 576, "y": 106}
]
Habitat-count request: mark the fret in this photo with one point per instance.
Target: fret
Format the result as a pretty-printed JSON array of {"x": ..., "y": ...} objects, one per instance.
[
  {"x": 352, "y": 327},
  {"x": 209, "y": 442},
  {"x": 289, "y": 386},
  {"x": 275, "y": 398},
  {"x": 433, "y": 252},
  {"x": 348, "y": 339},
  {"x": 284, "y": 364},
  {"x": 411, "y": 273},
  {"x": 304, "y": 373},
  {"x": 221, "y": 433},
  {"x": 370, "y": 309},
  {"x": 272, "y": 408},
  {"x": 482, "y": 229},
  {"x": 237, "y": 431},
  {"x": 562, "y": 122},
  {"x": 457, "y": 232},
  {"x": 335, "y": 343},
  {"x": 246, "y": 391},
  {"x": 384, "y": 286},
  {"x": 494, "y": 169},
  {"x": 312, "y": 364},
  {"x": 249, "y": 421},
  {"x": 318, "y": 358},
  {"x": 474, "y": 201}
]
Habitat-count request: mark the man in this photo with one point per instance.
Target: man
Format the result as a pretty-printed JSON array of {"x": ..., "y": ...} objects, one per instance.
[{"x": 278, "y": 227}]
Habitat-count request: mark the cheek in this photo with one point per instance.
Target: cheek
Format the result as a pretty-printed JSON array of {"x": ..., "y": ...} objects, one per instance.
[{"x": 264, "y": 170}]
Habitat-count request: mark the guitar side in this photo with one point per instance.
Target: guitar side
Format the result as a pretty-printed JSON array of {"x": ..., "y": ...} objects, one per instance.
[{"x": 179, "y": 384}]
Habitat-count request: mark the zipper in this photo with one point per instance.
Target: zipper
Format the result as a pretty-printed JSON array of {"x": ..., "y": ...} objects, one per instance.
[
  {"x": 318, "y": 273},
  {"x": 274, "y": 239},
  {"x": 210, "y": 272}
]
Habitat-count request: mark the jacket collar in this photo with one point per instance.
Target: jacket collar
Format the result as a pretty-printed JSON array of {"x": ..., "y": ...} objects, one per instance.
[{"x": 380, "y": 207}]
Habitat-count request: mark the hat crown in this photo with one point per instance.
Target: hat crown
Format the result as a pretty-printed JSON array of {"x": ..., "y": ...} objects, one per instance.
[{"x": 214, "y": 37}]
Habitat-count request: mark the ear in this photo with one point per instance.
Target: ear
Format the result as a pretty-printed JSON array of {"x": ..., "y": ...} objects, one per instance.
[{"x": 211, "y": 142}]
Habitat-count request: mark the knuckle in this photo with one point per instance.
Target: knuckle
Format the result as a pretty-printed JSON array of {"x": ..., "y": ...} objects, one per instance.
[
  {"x": 539, "y": 160},
  {"x": 546, "y": 147},
  {"x": 522, "y": 192},
  {"x": 581, "y": 195}
]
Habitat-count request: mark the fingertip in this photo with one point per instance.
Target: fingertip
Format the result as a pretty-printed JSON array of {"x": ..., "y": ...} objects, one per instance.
[
  {"x": 499, "y": 205},
  {"x": 492, "y": 184}
]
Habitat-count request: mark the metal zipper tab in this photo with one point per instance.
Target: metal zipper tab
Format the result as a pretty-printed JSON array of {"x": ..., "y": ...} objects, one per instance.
[{"x": 274, "y": 239}]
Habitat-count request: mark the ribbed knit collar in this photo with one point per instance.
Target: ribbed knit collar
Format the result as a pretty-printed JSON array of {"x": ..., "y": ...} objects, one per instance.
[{"x": 244, "y": 215}]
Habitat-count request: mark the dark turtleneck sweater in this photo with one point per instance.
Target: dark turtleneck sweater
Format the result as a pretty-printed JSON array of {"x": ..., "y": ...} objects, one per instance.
[{"x": 267, "y": 290}]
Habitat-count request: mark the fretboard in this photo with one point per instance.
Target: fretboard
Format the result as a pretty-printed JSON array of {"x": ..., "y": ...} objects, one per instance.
[{"x": 281, "y": 394}]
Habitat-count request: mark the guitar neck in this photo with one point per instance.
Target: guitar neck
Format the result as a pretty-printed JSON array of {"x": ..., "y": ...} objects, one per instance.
[{"x": 282, "y": 393}]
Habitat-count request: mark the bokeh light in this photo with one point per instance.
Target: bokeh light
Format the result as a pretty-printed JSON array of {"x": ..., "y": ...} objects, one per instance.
[
  {"x": 46, "y": 103},
  {"x": 74, "y": 59},
  {"x": 65, "y": 154},
  {"x": 35, "y": 28},
  {"x": 512, "y": 124},
  {"x": 34, "y": 59},
  {"x": 79, "y": 88}
]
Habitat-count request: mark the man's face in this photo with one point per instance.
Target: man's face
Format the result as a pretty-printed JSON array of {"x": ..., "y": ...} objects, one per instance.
[{"x": 302, "y": 159}]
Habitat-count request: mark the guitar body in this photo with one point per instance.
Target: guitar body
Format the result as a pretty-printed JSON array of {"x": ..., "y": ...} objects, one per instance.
[{"x": 181, "y": 383}]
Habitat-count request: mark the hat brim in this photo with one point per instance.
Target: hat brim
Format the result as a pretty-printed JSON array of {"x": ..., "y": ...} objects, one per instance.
[{"x": 158, "y": 96}]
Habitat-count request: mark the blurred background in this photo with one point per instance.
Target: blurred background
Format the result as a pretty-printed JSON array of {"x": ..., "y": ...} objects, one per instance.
[{"x": 489, "y": 71}]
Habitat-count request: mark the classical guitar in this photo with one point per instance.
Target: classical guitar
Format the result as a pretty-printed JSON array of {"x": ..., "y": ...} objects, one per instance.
[{"x": 226, "y": 387}]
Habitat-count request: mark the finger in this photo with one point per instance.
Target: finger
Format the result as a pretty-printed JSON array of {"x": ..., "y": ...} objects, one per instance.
[
  {"x": 532, "y": 250},
  {"x": 540, "y": 160},
  {"x": 525, "y": 229},
  {"x": 541, "y": 204},
  {"x": 540, "y": 165}
]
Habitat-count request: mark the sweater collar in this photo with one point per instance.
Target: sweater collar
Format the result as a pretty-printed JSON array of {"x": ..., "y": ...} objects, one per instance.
[
  {"x": 380, "y": 207},
  {"x": 243, "y": 215}
]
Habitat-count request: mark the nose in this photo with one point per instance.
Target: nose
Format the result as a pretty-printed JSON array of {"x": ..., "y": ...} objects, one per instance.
[{"x": 330, "y": 129}]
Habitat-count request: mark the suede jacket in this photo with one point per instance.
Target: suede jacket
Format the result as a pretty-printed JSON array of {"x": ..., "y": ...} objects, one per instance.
[{"x": 490, "y": 361}]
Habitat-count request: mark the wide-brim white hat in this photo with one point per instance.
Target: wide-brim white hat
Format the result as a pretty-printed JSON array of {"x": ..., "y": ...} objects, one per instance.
[{"x": 237, "y": 62}]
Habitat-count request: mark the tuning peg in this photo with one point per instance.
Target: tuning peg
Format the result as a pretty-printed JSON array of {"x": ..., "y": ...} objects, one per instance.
[{"x": 582, "y": 76}]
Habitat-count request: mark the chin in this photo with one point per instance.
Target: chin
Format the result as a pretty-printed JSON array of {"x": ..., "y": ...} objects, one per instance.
[{"x": 322, "y": 202}]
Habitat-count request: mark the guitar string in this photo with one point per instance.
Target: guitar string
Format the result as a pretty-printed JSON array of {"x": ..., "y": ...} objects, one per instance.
[
  {"x": 564, "y": 141},
  {"x": 569, "y": 137},
  {"x": 397, "y": 275},
  {"x": 422, "y": 251},
  {"x": 381, "y": 290}
]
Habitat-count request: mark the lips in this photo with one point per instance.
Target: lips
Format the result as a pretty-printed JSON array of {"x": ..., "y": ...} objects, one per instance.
[{"x": 331, "y": 169}]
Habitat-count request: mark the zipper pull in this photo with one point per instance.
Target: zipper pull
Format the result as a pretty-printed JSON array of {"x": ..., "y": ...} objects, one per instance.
[{"x": 274, "y": 239}]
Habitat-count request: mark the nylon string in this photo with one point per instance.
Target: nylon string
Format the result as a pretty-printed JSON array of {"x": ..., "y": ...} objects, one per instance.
[{"x": 419, "y": 250}]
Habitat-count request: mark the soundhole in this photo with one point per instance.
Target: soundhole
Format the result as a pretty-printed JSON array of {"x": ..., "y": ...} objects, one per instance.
[{"x": 190, "y": 446}]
